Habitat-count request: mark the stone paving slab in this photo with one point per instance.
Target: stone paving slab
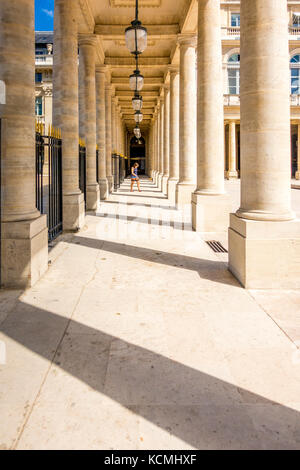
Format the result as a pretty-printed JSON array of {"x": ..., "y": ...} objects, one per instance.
[{"x": 139, "y": 338}]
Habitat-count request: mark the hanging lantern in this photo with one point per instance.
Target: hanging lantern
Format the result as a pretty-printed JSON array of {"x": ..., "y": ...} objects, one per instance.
[
  {"x": 136, "y": 81},
  {"x": 136, "y": 37},
  {"x": 138, "y": 117},
  {"x": 136, "y": 34},
  {"x": 137, "y": 102}
]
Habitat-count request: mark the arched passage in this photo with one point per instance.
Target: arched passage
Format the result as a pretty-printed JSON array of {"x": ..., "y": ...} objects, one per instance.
[{"x": 138, "y": 153}]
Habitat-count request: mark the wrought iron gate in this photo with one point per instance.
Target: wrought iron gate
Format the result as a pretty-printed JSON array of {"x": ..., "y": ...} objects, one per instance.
[
  {"x": 82, "y": 169},
  {"x": 49, "y": 178}
]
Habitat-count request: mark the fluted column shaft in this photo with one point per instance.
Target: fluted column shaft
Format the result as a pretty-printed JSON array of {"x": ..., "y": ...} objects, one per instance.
[
  {"x": 24, "y": 234},
  {"x": 167, "y": 132},
  {"x": 161, "y": 140},
  {"x": 187, "y": 120},
  {"x": 174, "y": 124},
  {"x": 210, "y": 120},
  {"x": 65, "y": 108},
  {"x": 101, "y": 129},
  {"x": 87, "y": 61},
  {"x": 18, "y": 201},
  {"x": 265, "y": 112},
  {"x": 187, "y": 126},
  {"x": 232, "y": 172},
  {"x": 108, "y": 114}
]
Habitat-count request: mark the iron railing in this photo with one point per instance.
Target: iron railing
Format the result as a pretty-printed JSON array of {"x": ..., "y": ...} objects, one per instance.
[
  {"x": 82, "y": 170},
  {"x": 49, "y": 180},
  {"x": 97, "y": 166}
]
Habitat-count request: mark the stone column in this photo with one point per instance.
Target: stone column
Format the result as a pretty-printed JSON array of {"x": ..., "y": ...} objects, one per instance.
[
  {"x": 166, "y": 168},
  {"x": 232, "y": 171},
  {"x": 108, "y": 92},
  {"x": 65, "y": 109},
  {"x": 264, "y": 237},
  {"x": 187, "y": 124},
  {"x": 158, "y": 127},
  {"x": 161, "y": 142},
  {"x": 87, "y": 61},
  {"x": 297, "y": 175},
  {"x": 174, "y": 133},
  {"x": 24, "y": 247},
  {"x": 210, "y": 204},
  {"x": 101, "y": 130},
  {"x": 153, "y": 174}
]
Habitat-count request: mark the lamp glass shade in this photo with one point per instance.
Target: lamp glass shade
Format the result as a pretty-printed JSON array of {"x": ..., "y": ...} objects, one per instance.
[
  {"x": 138, "y": 117},
  {"x": 136, "y": 38},
  {"x": 136, "y": 81},
  {"x": 137, "y": 103}
]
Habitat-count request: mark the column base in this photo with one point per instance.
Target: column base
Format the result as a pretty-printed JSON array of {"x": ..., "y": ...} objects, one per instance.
[
  {"x": 92, "y": 197},
  {"x": 184, "y": 194},
  {"x": 110, "y": 184},
  {"x": 156, "y": 174},
  {"x": 24, "y": 252},
  {"x": 103, "y": 186},
  {"x": 159, "y": 180},
  {"x": 297, "y": 175},
  {"x": 231, "y": 175},
  {"x": 210, "y": 213},
  {"x": 172, "y": 183},
  {"x": 265, "y": 255},
  {"x": 165, "y": 185},
  {"x": 73, "y": 212}
]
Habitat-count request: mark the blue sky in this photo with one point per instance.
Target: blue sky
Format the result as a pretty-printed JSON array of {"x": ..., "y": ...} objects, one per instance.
[{"x": 44, "y": 15}]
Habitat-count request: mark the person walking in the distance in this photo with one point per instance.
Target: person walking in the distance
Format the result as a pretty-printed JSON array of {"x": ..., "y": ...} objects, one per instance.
[{"x": 134, "y": 177}]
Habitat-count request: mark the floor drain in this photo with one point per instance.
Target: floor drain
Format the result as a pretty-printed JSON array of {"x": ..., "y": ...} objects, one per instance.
[{"x": 217, "y": 247}]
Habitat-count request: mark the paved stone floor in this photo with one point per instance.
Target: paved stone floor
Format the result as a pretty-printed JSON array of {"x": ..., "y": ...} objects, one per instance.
[{"x": 139, "y": 338}]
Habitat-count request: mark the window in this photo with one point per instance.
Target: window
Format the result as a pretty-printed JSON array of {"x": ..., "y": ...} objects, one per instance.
[
  {"x": 296, "y": 20},
  {"x": 40, "y": 51},
  {"x": 233, "y": 69},
  {"x": 295, "y": 74},
  {"x": 39, "y": 106},
  {"x": 38, "y": 77},
  {"x": 235, "y": 19}
]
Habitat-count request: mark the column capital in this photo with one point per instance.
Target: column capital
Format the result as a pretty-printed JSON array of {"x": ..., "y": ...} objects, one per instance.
[
  {"x": 173, "y": 69},
  {"x": 102, "y": 69},
  {"x": 187, "y": 39},
  {"x": 87, "y": 40}
]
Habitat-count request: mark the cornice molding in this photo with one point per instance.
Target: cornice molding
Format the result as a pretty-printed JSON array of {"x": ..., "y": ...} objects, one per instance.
[
  {"x": 87, "y": 14},
  {"x": 131, "y": 3}
]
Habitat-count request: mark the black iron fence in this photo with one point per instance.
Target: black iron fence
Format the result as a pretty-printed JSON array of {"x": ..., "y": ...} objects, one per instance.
[
  {"x": 97, "y": 166},
  {"x": 118, "y": 170},
  {"x": 82, "y": 168},
  {"x": 49, "y": 178}
]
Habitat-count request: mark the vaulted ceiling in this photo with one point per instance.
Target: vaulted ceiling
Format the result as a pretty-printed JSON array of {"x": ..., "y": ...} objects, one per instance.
[{"x": 164, "y": 19}]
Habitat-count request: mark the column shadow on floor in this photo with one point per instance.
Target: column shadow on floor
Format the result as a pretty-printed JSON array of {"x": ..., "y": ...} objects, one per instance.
[
  {"x": 187, "y": 227},
  {"x": 200, "y": 409},
  {"x": 215, "y": 271}
]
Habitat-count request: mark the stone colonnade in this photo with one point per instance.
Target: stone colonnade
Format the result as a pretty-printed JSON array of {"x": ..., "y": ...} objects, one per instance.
[
  {"x": 186, "y": 139},
  {"x": 264, "y": 237}
]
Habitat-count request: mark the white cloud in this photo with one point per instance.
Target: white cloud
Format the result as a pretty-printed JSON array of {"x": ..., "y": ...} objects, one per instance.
[{"x": 48, "y": 12}]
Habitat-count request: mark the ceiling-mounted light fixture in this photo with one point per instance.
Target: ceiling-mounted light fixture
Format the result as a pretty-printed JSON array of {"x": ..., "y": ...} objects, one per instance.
[
  {"x": 137, "y": 102},
  {"x": 136, "y": 34},
  {"x": 138, "y": 117},
  {"x": 136, "y": 81}
]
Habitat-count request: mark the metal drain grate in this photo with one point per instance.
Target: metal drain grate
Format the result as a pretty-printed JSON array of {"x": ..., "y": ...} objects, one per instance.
[{"x": 217, "y": 247}]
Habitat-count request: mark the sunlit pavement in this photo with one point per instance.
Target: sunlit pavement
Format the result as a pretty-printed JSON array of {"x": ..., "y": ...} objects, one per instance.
[{"x": 139, "y": 338}]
